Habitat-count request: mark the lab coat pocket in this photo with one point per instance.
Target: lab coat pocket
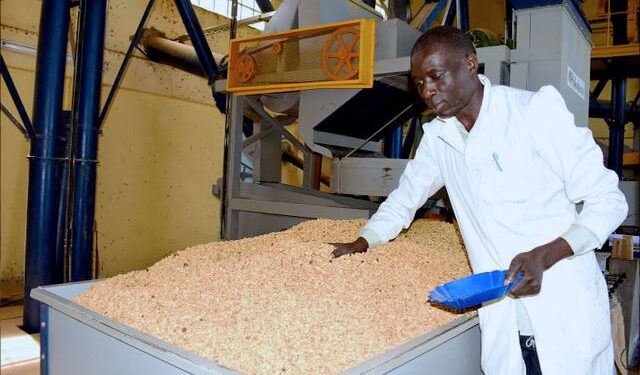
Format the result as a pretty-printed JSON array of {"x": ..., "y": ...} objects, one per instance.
[{"x": 510, "y": 177}]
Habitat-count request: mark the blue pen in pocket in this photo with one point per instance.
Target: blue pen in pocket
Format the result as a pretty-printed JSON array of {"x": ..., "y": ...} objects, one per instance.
[{"x": 497, "y": 160}]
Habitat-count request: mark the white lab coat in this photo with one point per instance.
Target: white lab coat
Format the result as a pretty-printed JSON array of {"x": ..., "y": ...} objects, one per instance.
[{"x": 514, "y": 186}]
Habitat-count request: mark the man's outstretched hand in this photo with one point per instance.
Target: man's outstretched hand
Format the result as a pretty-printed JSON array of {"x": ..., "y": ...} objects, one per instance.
[
  {"x": 358, "y": 246},
  {"x": 532, "y": 265}
]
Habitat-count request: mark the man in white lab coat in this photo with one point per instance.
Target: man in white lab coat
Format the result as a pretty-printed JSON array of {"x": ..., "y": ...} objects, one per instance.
[{"x": 515, "y": 166}]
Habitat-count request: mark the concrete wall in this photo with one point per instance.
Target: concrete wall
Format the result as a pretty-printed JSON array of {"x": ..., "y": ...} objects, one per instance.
[{"x": 159, "y": 154}]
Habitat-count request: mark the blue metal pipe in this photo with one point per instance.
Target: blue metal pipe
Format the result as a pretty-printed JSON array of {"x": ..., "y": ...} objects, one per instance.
[
  {"x": 196, "y": 35},
  {"x": 463, "y": 14},
  {"x": 616, "y": 130},
  {"x": 433, "y": 15},
  {"x": 13, "y": 91},
  {"x": 86, "y": 123},
  {"x": 451, "y": 14},
  {"x": 393, "y": 143},
  {"x": 407, "y": 144},
  {"x": 47, "y": 151}
]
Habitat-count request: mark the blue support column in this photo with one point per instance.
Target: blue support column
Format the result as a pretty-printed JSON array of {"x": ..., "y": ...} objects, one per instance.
[
  {"x": 86, "y": 125},
  {"x": 616, "y": 129},
  {"x": 46, "y": 154}
]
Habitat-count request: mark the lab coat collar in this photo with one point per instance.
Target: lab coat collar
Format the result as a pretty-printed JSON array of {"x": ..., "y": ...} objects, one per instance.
[{"x": 450, "y": 134}]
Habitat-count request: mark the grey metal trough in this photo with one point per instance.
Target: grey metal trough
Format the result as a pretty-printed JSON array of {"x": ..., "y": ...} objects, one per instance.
[{"x": 76, "y": 340}]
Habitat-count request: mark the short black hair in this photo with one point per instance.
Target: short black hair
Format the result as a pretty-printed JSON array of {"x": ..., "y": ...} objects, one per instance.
[{"x": 452, "y": 38}]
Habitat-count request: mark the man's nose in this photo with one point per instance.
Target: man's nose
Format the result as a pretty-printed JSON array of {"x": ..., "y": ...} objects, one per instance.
[{"x": 428, "y": 90}]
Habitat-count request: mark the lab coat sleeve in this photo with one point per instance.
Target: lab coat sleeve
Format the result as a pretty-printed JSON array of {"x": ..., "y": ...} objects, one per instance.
[
  {"x": 573, "y": 156},
  {"x": 420, "y": 179},
  {"x": 580, "y": 239}
]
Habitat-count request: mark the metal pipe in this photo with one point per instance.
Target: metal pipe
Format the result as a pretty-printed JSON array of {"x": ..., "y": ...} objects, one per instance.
[
  {"x": 433, "y": 15},
  {"x": 407, "y": 145},
  {"x": 616, "y": 132},
  {"x": 197, "y": 38},
  {"x": 125, "y": 62},
  {"x": 86, "y": 122},
  {"x": 165, "y": 51},
  {"x": 14, "y": 120},
  {"x": 13, "y": 91},
  {"x": 463, "y": 14},
  {"x": 451, "y": 14},
  {"x": 233, "y": 27},
  {"x": 47, "y": 149},
  {"x": 393, "y": 143}
]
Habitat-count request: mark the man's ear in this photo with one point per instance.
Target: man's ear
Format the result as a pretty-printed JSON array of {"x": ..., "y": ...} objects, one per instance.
[{"x": 472, "y": 62}]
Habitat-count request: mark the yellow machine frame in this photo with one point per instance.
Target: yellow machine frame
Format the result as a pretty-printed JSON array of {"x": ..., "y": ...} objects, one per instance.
[{"x": 364, "y": 77}]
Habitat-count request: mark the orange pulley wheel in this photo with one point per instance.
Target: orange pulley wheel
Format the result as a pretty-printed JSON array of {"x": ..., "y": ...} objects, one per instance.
[
  {"x": 340, "y": 54},
  {"x": 246, "y": 68},
  {"x": 277, "y": 48}
]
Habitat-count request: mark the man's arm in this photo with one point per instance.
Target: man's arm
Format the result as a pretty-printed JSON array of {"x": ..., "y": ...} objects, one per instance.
[
  {"x": 533, "y": 263},
  {"x": 572, "y": 154},
  {"x": 420, "y": 179}
]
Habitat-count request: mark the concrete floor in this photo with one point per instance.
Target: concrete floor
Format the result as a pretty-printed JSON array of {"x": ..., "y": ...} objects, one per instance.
[{"x": 20, "y": 352}]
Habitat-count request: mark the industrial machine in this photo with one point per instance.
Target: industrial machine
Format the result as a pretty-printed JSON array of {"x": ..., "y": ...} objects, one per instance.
[{"x": 352, "y": 126}]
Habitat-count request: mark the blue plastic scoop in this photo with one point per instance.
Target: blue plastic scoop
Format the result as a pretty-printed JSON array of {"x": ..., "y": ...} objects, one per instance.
[{"x": 472, "y": 290}]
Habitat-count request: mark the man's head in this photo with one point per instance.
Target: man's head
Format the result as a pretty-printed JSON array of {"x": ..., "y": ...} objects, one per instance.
[{"x": 444, "y": 68}]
